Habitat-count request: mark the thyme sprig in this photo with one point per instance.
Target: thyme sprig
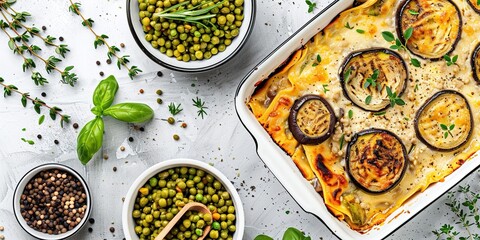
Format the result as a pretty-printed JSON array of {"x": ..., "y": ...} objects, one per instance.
[
  {"x": 467, "y": 214},
  {"x": 20, "y": 18},
  {"x": 19, "y": 44},
  {"x": 53, "y": 111},
  {"x": 398, "y": 45},
  {"x": 394, "y": 99},
  {"x": 100, "y": 39},
  {"x": 447, "y": 130},
  {"x": 201, "y": 106}
]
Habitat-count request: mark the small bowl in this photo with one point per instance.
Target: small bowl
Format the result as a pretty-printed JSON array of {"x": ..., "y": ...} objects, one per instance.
[
  {"x": 127, "y": 219},
  {"x": 136, "y": 29},
  {"x": 23, "y": 183}
]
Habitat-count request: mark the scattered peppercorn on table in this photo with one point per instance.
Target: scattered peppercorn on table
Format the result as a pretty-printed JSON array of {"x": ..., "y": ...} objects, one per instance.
[{"x": 216, "y": 137}]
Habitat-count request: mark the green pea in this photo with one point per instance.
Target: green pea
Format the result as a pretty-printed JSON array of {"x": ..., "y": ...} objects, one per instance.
[
  {"x": 199, "y": 232},
  {"x": 216, "y": 225},
  {"x": 146, "y": 231},
  {"x": 138, "y": 229},
  {"x": 199, "y": 197},
  {"x": 186, "y": 223},
  {"x": 153, "y": 182},
  {"x": 213, "y": 234},
  {"x": 136, "y": 214}
]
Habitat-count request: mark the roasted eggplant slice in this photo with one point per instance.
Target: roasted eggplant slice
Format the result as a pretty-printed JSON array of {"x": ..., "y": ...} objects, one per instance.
[
  {"x": 376, "y": 160},
  {"x": 365, "y": 76},
  {"x": 475, "y": 5},
  {"x": 311, "y": 120},
  {"x": 476, "y": 63},
  {"x": 436, "y": 27},
  {"x": 444, "y": 122}
]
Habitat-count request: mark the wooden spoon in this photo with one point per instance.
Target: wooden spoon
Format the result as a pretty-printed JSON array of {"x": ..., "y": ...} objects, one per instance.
[{"x": 195, "y": 206}]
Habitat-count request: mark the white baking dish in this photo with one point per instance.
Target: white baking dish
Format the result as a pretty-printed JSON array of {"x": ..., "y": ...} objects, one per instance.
[{"x": 285, "y": 170}]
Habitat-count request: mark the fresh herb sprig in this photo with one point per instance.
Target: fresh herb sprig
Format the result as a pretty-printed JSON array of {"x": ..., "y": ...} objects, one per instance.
[
  {"x": 38, "y": 104},
  {"x": 174, "y": 109},
  {"x": 19, "y": 44},
  {"x": 20, "y": 18},
  {"x": 450, "y": 60},
  {"x": 311, "y": 5},
  {"x": 90, "y": 138},
  {"x": 394, "y": 99},
  {"x": 447, "y": 129},
  {"x": 372, "y": 80},
  {"x": 101, "y": 39},
  {"x": 198, "y": 103},
  {"x": 398, "y": 45},
  {"x": 467, "y": 214},
  {"x": 325, "y": 88},
  {"x": 178, "y": 12}
]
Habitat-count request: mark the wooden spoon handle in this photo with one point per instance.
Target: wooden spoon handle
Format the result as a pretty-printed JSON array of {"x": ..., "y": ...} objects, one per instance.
[{"x": 189, "y": 206}]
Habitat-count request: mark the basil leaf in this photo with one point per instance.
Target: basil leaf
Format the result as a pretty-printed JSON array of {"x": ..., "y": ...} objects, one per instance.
[
  {"x": 294, "y": 234},
  {"x": 262, "y": 237},
  {"x": 130, "y": 112},
  {"x": 90, "y": 140},
  {"x": 104, "y": 94},
  {"x": 97, "y": 111}
]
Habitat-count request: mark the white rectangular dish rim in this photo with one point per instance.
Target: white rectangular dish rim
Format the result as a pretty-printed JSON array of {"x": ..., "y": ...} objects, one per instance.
[{"x": 285, "y": 170}]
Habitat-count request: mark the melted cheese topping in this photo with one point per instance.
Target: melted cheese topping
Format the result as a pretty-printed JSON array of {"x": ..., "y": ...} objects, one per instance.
[{"x": 325, "y": 162}]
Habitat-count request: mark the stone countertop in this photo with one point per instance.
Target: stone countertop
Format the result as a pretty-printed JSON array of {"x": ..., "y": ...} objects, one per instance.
[{"x": 218, "y": 139}]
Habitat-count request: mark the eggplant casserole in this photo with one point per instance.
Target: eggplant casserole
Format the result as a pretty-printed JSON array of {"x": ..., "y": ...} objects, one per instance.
[{"x": 380, "y": 104}]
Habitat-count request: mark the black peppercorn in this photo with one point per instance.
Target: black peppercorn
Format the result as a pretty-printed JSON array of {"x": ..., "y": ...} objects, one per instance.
[
  {"x": 56, "y": 141},
  {"x": 159, "y": 74},
  {"x": 44, "y": 94},
  {"x": 39, "y": 136},
  {"x": 75, "y": 125},
  {"x": 130, "y": 139},
  {"x": 44, "y": 28}
]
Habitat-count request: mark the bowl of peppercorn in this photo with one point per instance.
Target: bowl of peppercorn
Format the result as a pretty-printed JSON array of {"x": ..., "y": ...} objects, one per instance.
[
  {"x": 52, "y": 201},
  {"x": 160, "y": 193},
  {"x": 191, "y": 35}
]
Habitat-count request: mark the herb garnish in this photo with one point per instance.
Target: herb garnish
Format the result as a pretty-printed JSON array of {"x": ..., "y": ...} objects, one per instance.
[
  {"x": 478, "y": 2},
  {"x": 8, "y": 89},
  {"x": 372, "y": 80},
  {"x": 350, "y": 114},
  {"x": 100, "y": 39},
  {"x": 311, "y": 5},
  {"x": 415, "y": 89},
  {"x": 200, "y": 105},
  {"x": 447, "y": 129},
  {"x": 368, "y": 99},
  {"x": 179, "y": 13},
  {"x": 380, "y": 113},
  {"x": 325, "y": 88},
  {"x": 319, "y": 60},
  {"x": 174, "y": 110},
  {"x": 413, "y": 12},
  {"x": 360, "y": 31},
  {"x": 394, "y": 99},
  {"x": 342, "y": 141},
  {"x": 397, "y": 44},
  {"x": 450, "y": 60},
  {"x": 90, "y": 138},
  {"x": 347, "y": 25},
  {"x": 346, "y": 75}
]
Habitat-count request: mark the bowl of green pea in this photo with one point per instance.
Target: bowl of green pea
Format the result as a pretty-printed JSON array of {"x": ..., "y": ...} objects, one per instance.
[
  {"x": 191, "y": 35},
  {"x": 162, "y": 190}
]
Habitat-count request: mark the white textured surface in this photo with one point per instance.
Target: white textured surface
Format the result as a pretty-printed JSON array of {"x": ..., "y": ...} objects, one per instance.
[{"x": 219, "y": 138}]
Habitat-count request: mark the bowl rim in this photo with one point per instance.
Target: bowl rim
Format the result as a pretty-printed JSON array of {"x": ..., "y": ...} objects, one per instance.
[
  {"x": 172, "y": 163},
  {"x": 27, "y": 177},
  {"x": 251, "y": 24}
]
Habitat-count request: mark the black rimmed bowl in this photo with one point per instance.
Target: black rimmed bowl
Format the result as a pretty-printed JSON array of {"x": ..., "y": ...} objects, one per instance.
[
  {"x": 172, "y": 63},
  {"x": 23, "y": 183}
]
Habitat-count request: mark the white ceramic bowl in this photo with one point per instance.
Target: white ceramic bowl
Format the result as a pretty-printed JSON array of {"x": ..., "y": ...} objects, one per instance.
[
  {"x": 127, "y": 219},
  {"x": 21, "y": 186},
  {"x": 136, "y": 29}
]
